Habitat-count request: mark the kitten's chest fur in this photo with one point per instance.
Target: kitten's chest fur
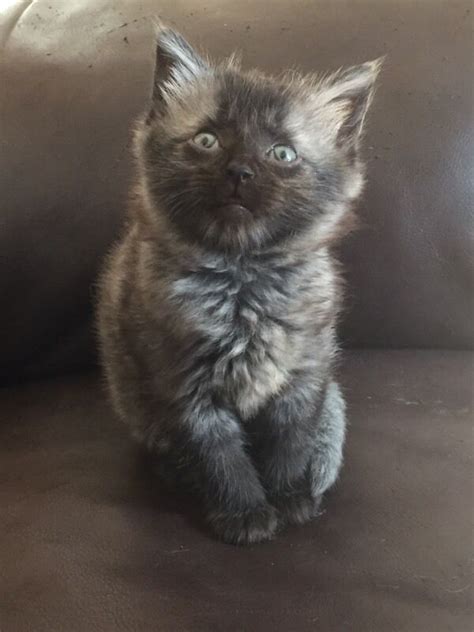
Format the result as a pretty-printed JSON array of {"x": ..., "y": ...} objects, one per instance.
[{"x": 249, "y": 316}]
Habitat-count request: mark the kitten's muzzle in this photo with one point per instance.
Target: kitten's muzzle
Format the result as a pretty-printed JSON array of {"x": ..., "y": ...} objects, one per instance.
[
  {"x": 238, "y": 189},
  {"x": 238, "y": 175}
]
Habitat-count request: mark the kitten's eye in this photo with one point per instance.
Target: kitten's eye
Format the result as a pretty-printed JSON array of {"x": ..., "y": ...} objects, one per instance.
[
  {"x": 206, "y": 140},
  {"x": 282, "y": 153}
]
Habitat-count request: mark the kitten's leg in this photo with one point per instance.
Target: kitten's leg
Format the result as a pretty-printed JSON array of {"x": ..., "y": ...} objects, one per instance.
[
  {"x": 285, "y": 431},
  {"x": 328, "y": 443},
  {"x": 302, "y": 449},
  {"x": 215, "y": 457},
  {"x": 200, "y": 443}
]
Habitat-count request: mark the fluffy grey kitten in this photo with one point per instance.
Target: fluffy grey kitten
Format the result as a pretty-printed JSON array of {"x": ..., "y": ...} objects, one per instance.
[{"x": 218, "y": 308}]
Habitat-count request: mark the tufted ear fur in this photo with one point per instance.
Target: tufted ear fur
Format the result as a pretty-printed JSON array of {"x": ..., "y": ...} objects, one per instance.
[
  {"x": 348, "y": 94},
  {"x": 176, "y": 65}
]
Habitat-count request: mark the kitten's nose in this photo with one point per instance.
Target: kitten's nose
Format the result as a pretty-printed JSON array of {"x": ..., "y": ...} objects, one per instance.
[{"x": 239, "y": 172}]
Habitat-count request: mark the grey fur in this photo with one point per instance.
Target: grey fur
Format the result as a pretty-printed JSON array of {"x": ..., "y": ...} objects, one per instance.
[{"x": 217, "y": 326}]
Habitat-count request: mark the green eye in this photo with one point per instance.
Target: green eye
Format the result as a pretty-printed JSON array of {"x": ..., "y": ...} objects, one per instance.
[
  {"x": 206, "y": 140},
  {"x": 282, "y": 153}
]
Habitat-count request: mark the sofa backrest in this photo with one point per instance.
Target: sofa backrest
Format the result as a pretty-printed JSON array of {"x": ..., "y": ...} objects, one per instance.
[{"x": 73, "y": 77}]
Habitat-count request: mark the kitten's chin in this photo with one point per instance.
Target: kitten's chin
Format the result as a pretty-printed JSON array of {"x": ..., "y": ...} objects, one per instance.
[{"x": 237, "y": 233}]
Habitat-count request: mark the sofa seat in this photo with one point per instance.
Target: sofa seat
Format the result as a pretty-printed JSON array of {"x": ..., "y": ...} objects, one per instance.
[{"x": 90, "y": 542}]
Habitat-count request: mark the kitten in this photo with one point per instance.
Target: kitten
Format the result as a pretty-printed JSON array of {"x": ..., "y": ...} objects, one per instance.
[{"x": 218, "y": 308}]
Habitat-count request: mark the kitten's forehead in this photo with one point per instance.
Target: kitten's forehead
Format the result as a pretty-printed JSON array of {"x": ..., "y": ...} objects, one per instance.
[
  {"x": 249, "y": 104},
  {"x": 251, "y": 100}
]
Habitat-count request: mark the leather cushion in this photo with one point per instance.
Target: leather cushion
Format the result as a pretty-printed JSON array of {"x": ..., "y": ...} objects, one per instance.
[{"x": 89, "y": 542}]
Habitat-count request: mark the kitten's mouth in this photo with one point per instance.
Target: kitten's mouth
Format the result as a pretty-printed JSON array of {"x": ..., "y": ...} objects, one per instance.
[{"x": 235, "y": 206}]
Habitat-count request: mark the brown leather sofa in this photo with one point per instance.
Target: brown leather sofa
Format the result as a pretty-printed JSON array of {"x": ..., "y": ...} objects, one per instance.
[{"x": 88, "y": 540}]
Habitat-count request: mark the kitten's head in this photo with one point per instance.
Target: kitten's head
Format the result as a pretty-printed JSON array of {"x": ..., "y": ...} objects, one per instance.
[{"x": 238, "y": 160}]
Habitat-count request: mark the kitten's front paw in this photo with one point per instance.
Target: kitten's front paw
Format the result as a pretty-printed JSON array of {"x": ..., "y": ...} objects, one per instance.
[
  {"x": 245, "y": 527},
  {"x": 297, "y": 509}
]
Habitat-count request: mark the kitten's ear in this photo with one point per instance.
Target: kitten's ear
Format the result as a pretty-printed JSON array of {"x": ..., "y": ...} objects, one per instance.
[
  {"x": 176, "y": 64},
  {"x": 348, "y": 94}
]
